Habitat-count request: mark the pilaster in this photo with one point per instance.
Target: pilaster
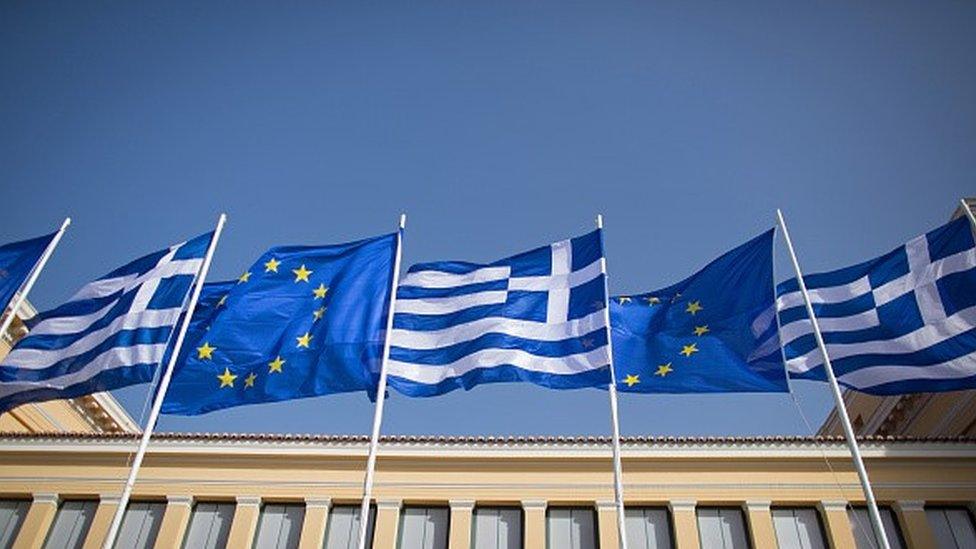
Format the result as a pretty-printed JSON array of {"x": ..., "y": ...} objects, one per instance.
[
  {"x": 313, "y": 526},
  {"x": 245, "y": 521},
  {"x": 387, "y": 523},
  {"x": 534, "y": 530},
  {"x": 39, "y": 517},
  {"x": 685, "y": 524},
  {"x": 102, "y": 521},
  {"x": 176, "y": 518},
  {"x": 914, "y": 524},
  {"x": 837, "y": 524},
  {"x": 461, "y": 511},
  {"x": 606, "y": 516},
  {"x": 760, "y": 520}
]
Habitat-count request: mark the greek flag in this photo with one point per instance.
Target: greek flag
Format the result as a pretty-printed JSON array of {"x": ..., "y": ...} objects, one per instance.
[
  {"x": 537, "y": 317},
  {"x": 902, "y": 323},
  {"x": 112, "y": 333}
]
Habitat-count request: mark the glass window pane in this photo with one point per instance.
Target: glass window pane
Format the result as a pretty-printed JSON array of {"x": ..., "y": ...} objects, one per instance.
[
  {"x": 497, "y": 528},
  {"x": 280, "y": 526},
  {"x": 12, "y": 512},
  {"x": 571, "y": 528},
  {"x": 722, "y": 528},
  {"x": 342, "y": 528},
  {"x": 423, "y": 528},
  {"x": 140, "y": 524},
  {"x": 864, "y": 537},
  {"x": 952, "y": 527},
  {"x": 647, "y": 527},
  {"x": 209, "y": 526},
  {"x": 71, "y": 525},
  {"x": 798, "y": 529}
]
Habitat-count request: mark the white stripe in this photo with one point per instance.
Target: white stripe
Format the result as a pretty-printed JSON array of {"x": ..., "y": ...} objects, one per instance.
[
  {"x": 860, "y": 321},
  {"x": 113, "y": 358},
  {"x": 452, "y": 304},
  {"x": 487, "y": 358},
  {"x": 548, "y": 283},
  {"x": 528, "y": 329},
  {"x": 964, "y": 366},
  {"x": 42, "y": 358},
  {"x": 557, "y": 302},
  {"x": 108, "y": 286},
  {"x": 70, "y": 324},
  {"x": 829, "y": 294},
  {"x": 921, "y": 338},
  {"x": 440, "y": 279}
]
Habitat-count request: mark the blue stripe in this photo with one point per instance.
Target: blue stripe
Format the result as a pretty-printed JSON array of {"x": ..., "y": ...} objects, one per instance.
[
  {"x": 125, "y": 338},
  {"x": 447, "y": 355},
  {"x": 598, "y": 377},
  {"x": 76, "y": 308},
  {"x": 451, "y": 267},
  {"x": 421, "y": 292},
  {"x": 103, "y": 381},
  {"x": 60, "y": 341}
]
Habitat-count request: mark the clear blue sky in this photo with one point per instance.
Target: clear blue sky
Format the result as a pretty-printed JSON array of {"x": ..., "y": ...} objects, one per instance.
[{"x": 497, "y": 128}]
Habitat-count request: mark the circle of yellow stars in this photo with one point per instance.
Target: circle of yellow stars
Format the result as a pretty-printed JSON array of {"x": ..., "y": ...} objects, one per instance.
[
  {"x": 692, "y": 308},
  {"x": 302, "y": 274}
]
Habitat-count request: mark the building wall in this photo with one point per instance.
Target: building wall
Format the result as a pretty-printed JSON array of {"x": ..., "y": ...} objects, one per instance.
[{"x": 754, "y": 475}]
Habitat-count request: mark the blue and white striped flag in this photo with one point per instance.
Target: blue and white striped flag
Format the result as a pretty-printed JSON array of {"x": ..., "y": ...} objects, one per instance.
[
  {"x": 112, "y": 333},
  {"x": 902, "y": 323},
  {"x": 538, "y": 317}
]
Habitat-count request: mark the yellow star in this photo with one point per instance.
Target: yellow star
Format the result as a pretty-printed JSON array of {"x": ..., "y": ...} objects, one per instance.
[
  {"x": 663, "y": 370},
  {"x": 303, "y": 340},
  {"x": 206, "y": 351},
  {"x": 275, "y": 365},
  {"x": 271, "y": 266},
  {"x": 688, "y": 350},
  {"x": 244, "y": 277},
  {"x": 701, "y": 330},
  {"x": 632, "y": 380},
  {"x": 318, "y": 313},
  {"x": 623, "y": 299},
  {"x": 226, "y": 379},
  {"x": 693, "y": 307},
  {"x": 320, "y": 291},
  {"x": 249, "y": 380},
  {"x": 222, "y": 301},
  {"x": 301, "y": 273},
  {"x": 651, "y": 300}
]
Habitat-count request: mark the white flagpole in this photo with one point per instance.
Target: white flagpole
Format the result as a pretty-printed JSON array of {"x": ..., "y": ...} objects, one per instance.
[
  {"x": 374, "y": 440},
  {"x": 862, "y": 473},
  {"x": 113, "y": 531},
  {"x": 965, "y": 209},
  {"x": 35, "y": 272},
  {"x": 618, "y": 483}
]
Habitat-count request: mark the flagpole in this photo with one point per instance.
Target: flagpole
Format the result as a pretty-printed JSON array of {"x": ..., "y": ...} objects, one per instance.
[
  {"x": 35, "y": 272},
  {"x": 113, "y": 531},
  {"x": 374, "y": 439},
  {"x": 618, "y": 484},
  {"x": 965, "y": 209},
  {"x": 862, "y": 473}
]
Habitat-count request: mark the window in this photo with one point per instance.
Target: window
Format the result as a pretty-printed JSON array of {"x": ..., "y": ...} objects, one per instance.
[
  {"x": 280, "y": 526},
  {"x": 209, "y": 526},
  {"x": 423, "y": 528},
  {"x": 140, "y": 524},
  {"x": 497, "y": 528},
  {"x": 722, "y": 528},
  {"x": 952, "y": 527},
  {"x": 798, "y": 529},
  {"x": 342, "y": 529},
  {"x": 71, "y": 525},
  {"x": 571, "y": 528},
  {"x": 863, "y": 530},
  {"x": 12, "y": 512},
  {"x": 647, "y": 527}
]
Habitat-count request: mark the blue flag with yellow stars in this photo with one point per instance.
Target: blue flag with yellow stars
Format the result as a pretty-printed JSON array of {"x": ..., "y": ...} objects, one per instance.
[
  {"x": 714, "y": 332},
  {"x": 302, "y": 321}
]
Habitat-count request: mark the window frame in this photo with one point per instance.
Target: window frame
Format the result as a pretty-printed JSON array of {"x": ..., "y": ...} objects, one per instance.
[
  {"x": 61, "y": 504},
  {"x": 882, "y": 507},
  {"x": 193, "y": 510},
  {"x": 669, "y": 516},
  {"x": 593, "y": 513},
  {"x": 402, "y": 515},
  {"x": 300, "y": 504},
  {"x": 952, "y": 507},
  {"x": 371, "y": 533},
  {"x": 746, "y": 525},
  {"x": 821, "y": 522},
  {"x": 521, "y": 512}
]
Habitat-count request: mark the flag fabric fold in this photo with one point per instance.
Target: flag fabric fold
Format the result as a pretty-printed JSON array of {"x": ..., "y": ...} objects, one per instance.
[
  {"x": 714, "y": 332},
  {"x": 537, "y": 317},
  {"x": 17, "y": 260},
  {"x": 111, "y": 333},
  {"x": 901, "y": 323},
  {"x": 302, "y": 321}
]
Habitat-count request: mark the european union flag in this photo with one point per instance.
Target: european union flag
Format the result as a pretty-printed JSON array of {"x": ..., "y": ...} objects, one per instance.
[
  {"x": 714, "y": 332},
  {"x": 17, "y": 260},
  {"x": 302, "y": 321}
]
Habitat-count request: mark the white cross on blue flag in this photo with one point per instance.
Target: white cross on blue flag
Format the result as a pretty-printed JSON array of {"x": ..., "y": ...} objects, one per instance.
[
  {"x": 902, "y": 323},
  {"x": 537, "y": 317}
]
